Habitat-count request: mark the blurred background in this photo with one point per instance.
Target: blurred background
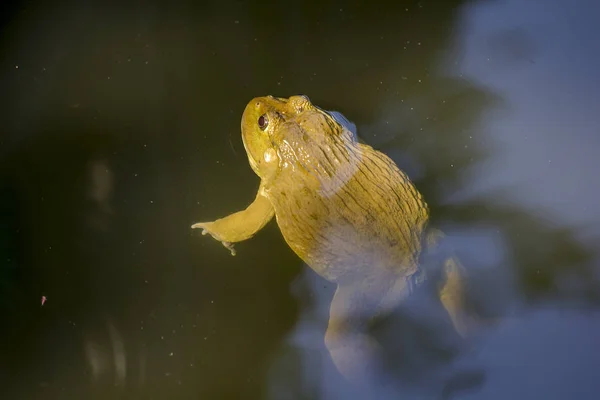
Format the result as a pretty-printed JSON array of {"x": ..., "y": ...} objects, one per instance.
[{"x": 120, "y": 127}]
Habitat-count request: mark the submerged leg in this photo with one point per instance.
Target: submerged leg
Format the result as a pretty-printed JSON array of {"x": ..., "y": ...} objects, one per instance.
[
  {"x": 355, "y": 353},
  {"x": 452, "y": 288},
  {"x": 452, "y": 295},
  {"x": 241, "y": 225}
]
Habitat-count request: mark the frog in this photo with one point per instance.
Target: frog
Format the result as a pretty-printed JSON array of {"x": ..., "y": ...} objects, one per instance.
[{"x": 348, "y": 212}]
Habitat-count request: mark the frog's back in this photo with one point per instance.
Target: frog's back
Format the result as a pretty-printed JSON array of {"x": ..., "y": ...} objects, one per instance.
[{"x": 355, "y": 213}]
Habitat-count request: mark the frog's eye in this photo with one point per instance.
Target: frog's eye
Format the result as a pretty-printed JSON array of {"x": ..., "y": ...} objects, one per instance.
[{"x": 263, "y": 121}]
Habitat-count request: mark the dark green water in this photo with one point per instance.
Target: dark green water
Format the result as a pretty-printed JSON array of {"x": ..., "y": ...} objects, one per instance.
[{"x": 120, "y": 128}]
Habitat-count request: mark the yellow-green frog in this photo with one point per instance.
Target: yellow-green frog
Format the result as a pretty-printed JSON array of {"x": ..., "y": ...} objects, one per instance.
[{"x": 346, "y": 210}]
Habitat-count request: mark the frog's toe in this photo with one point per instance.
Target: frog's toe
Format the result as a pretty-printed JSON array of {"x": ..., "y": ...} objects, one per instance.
[
  {"x": 199, "y": 225},
  {"x": 203, "y": 226},
  {"x": 229, "y": 246}
]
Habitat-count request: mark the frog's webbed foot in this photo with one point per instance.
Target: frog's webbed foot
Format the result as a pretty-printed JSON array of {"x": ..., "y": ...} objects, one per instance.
[{"x": 206, "y": 229}]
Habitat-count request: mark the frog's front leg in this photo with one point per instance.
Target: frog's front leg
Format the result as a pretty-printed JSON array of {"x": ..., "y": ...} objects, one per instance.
[
  {"x": 241, "y": 225},
  {"x": 354, "y": 351}
]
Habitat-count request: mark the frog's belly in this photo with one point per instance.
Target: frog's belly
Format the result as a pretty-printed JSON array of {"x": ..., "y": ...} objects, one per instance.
[
  {"x": 342, "y": 250},
  {"x": 371, "y": 223}
]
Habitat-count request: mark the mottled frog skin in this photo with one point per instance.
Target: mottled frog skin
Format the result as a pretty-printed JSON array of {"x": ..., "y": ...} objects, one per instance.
[{"x": 346, "y": 210}]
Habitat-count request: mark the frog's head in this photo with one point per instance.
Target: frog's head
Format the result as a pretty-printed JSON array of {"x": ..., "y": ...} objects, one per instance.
[{"x": 269, "y": 121}]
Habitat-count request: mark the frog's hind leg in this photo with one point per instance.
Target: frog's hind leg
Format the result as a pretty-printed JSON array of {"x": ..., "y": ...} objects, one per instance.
[
  {"x": 452, "y": 295},
  {"x": 452, "y": 285},
  {"x": 355, "y": 353}
]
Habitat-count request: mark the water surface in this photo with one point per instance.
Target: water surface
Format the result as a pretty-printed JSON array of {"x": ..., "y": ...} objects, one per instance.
[{"x": 120, "y": 128}]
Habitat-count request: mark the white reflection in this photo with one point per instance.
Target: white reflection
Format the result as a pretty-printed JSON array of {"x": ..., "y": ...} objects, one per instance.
[
  {"x": 101, "y": 183},
  {"x": 543, "y": 58},
  {"x": 106, "y": 360}
]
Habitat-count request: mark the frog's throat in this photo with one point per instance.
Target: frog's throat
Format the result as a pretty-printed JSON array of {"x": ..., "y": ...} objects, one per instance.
[
  {"x": 254, "y": 165},
  {"x": 251, "y": 160}
]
